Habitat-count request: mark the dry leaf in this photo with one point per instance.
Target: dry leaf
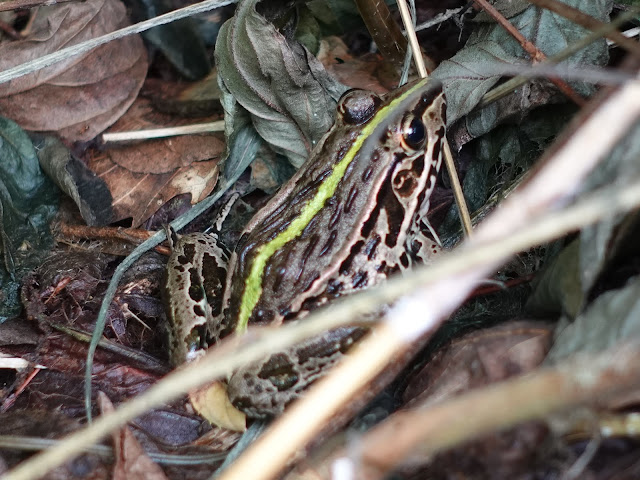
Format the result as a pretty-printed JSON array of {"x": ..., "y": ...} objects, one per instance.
[
  {"x": 363, "y": 72},
  {"x": 212, "y": 402},
  {"x": 79, "y": 97},
  {"x": 480, "y": 358},
  {"x": 132, "y": 463},
  {"x": 144, "y": 176}
]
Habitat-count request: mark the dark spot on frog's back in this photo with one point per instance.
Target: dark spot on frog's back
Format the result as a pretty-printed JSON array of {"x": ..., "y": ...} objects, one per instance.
[
  {"x": 196, "y": 292},
  {"x": 334, "y": 287},
  {"x": 279, "y": 371},
  {"x": 329, "y": 243},
  {"x": 198, "y": 311},
  {"x": 322, "y": 176},
  {"x": 346, "y": 265},
  {"x": 342, "y": 150},
  {"x": 312, "y": 243},
  {"x": 404, "y": 260},
  {"x": 366, "y": 175},
  {"x": 360, "y": 280},
  {"x": 372, "y": 246},
  {"x": 351, "y": 197},
  {"x": 189, "y": 250},
  {"x": 335, "y": 216},
  {"x": 443, "y": 112}
]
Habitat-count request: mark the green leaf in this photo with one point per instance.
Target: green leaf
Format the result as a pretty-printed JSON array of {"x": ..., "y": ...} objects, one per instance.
[
  {"x": 613, "y": 317},
  {"x": 28, "y": 202},
  {"x": 289, "y": 97},
  {"x": 474, "y": 70},
  {"x": 86, "y": 189},
  {"x": 179, "y": 41}
]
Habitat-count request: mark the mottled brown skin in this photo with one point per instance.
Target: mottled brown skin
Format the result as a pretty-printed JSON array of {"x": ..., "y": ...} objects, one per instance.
[{"x": 371, "y": 228}]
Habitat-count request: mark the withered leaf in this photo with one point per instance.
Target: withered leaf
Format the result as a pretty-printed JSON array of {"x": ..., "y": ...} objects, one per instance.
[
  {"x": 80, "y": 97},
  {"x": 131, "y": 460},
  {"x": 286, "y": 90},
  {"x": 144, "y": 176}
]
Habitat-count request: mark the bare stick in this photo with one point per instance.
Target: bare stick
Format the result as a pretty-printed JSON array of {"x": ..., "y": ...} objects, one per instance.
[{"x": 163, "y": 132}]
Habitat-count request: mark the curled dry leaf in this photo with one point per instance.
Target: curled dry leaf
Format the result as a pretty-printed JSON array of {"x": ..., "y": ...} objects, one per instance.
[
  {"x": 212, "y": 402},
  {"x": 131, "y": 460},
  {"x": 363, "y": 72},
  {"x": 286, "y": 90},
  {"x": 79, "y": 97},
  {"x": 478, "y": 359},
  {"x": 144, "y": 176}
]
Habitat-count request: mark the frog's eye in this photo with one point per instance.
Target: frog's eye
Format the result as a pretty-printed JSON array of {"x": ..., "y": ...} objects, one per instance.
[
  {"x": 414, "y": 133},
  {"x": 357, "y": 106}
]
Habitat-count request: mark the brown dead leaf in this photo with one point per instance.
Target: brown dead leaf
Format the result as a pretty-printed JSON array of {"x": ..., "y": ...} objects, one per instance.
[
  {"x": 194, "y": 100},
  {"x": 144, "y": 176},
  {"x": 132, "y": 463},
  {"x": 366, "y": 72},
  {"x": 478, "y": 359},
  {"x": 77, "y": 98},
  {"x": 212, "y": 402}
]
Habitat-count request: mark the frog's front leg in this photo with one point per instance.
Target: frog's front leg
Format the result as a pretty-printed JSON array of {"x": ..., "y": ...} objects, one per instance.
[{"x": 195, "y": 279}]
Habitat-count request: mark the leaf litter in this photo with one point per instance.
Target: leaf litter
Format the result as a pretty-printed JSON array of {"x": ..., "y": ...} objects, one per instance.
[
  {"x": 597, "y": 272},
  {"x": 80, "y": 97}
]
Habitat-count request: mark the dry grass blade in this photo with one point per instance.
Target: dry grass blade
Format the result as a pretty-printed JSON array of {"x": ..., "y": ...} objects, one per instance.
[
  {"x": 448, "y": 157},
  {"x": 384, "y": 30},
  {"x": 427, "y": 431},
  {"x": 413, "y": 39},
  {"x": 163, "y": 132}
]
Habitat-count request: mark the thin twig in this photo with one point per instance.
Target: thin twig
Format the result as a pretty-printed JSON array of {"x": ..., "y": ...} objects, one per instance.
[
  {"x": 458, "y": 194},
  {"x": 425, "y": 431},
  {"x": 531, "y": 49},
  {"x": 413, "y": 40},
  {"x": 163, "y": 132},
  {"x": 587, "y": 21},
  {"x": 448, "y": 156}
]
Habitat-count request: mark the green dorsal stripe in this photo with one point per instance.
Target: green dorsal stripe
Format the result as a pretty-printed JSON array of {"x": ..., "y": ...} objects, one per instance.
[{"x": 253, "y": 284}]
